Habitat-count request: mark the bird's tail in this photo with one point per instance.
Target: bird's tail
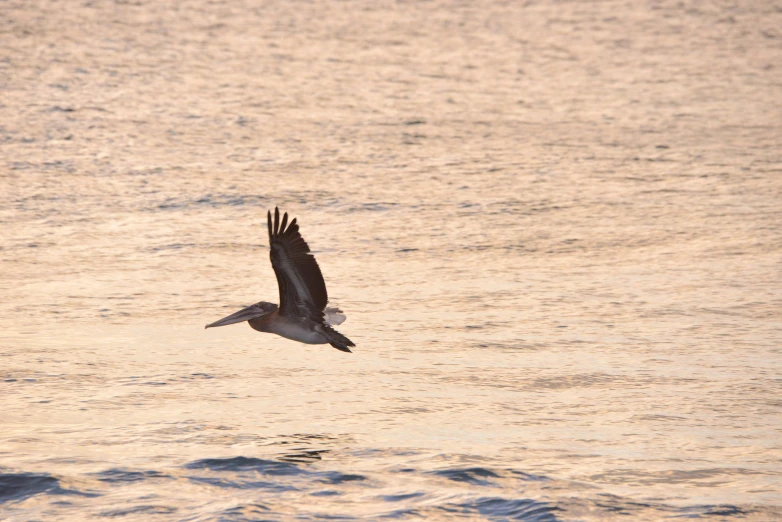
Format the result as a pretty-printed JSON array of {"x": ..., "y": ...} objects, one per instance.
[{"x": 336, "y": 339}]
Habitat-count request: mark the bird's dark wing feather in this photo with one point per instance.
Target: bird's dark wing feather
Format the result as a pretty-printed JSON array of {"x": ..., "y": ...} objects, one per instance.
[{"x": 302, "y": 289}]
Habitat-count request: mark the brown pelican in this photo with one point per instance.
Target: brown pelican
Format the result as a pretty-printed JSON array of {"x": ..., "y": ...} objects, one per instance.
[{"x": 302, "y": 315}]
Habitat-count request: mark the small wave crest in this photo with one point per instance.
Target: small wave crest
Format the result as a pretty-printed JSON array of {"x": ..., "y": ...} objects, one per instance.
[
  {"x": 262, "y": 466},
  {"x": 19, "y": 486}
]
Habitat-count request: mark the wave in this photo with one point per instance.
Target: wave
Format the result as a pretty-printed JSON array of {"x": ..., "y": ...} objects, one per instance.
[
  {"x": 269, "y": 488},
  {"x": 19, "y": 486}
]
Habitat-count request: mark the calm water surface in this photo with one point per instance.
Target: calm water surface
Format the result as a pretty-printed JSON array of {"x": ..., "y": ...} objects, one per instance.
[{"x": 555, "y": 230}]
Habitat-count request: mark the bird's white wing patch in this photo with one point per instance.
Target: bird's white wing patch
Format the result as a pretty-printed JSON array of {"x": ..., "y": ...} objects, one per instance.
[{"x": 334, "y": 316}]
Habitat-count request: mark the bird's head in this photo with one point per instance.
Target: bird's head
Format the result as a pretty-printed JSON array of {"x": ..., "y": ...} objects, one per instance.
[{"x": 255, "y": 311}]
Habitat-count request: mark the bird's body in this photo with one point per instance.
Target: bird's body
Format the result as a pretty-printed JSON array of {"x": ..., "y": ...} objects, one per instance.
[
  {"x": 302, "y": 314},
  {"x": 295, "y": 329}
]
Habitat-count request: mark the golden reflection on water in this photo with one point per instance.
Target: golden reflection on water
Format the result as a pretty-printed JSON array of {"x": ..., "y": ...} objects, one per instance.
[{"x": 554, "y": 230}]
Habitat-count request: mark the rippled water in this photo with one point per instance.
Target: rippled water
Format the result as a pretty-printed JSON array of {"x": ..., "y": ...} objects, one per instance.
[{"x": 554, "y": 227}]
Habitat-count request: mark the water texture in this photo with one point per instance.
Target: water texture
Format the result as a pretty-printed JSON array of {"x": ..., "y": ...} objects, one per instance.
[{"x": 555, "y": 228}]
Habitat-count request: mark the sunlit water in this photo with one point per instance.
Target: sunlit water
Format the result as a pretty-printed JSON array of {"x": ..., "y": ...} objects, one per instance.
[{"x": 555, "y": 230}]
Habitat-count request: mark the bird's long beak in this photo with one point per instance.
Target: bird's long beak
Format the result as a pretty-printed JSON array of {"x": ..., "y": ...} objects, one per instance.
[{"x": 251, "y": 312}]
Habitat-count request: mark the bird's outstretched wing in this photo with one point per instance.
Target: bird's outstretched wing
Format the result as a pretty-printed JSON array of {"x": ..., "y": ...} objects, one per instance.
[{"x": 302, "y": 289}]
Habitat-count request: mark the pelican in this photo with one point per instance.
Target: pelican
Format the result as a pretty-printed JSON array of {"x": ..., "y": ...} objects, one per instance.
[{"x": 302, "y": 315}]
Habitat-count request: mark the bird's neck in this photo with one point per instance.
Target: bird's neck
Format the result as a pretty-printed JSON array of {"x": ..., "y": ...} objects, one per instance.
[{"x": 262, "y": 324}]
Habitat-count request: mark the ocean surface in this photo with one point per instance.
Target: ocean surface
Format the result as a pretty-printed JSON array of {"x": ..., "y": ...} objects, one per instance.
[{"x": 555, "y": 228}]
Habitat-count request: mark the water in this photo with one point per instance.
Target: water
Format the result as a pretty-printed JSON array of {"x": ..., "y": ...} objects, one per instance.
[{"x": 554, "y": 228}]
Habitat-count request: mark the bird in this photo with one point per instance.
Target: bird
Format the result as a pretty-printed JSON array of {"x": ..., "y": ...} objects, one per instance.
[{"x": 303, "y": 314}]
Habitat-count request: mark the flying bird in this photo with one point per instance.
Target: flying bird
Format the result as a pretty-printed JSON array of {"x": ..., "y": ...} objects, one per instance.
[{"x": 302, "y": 314}]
